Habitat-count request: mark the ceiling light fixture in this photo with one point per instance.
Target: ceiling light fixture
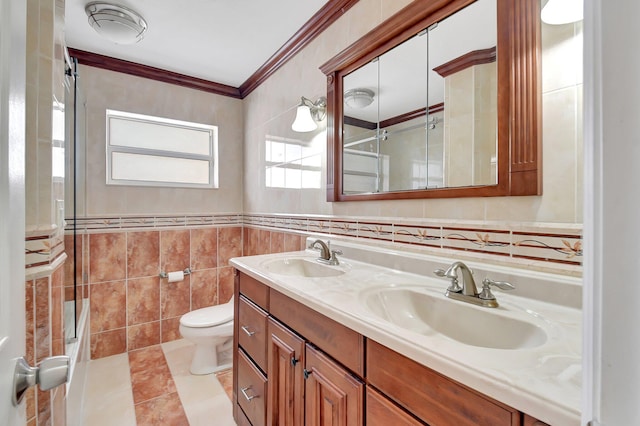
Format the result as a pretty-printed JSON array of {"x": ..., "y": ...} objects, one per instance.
[
  {"x": 308, "y": 113},
  {"x": 116, "y": 23},
  {"x": 358, "y": 98},
  {"x": 558, "y": 12}
]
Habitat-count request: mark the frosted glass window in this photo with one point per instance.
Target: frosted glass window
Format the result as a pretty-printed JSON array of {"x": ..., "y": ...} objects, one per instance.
[
  {"x": 140, "y": 167},
  {"x": 155, "y": 151}
]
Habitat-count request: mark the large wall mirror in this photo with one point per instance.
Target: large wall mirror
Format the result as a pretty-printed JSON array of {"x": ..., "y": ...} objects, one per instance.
[{"x": 441, "y": 100}]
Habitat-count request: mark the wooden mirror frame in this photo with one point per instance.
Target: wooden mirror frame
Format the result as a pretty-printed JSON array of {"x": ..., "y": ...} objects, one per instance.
[{"x": 519, "y": 168}]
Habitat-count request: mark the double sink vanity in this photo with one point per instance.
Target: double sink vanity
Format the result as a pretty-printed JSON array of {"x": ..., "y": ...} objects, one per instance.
[{"x": 374, "y": 340}]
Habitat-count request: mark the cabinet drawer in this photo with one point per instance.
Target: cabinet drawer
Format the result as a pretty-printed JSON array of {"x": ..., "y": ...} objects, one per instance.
[
  {"x": 252, "y": 391},
  {"x": 343, "y": 344},
  {"x": 257, "y": 292},
  {"x": 432, "y": 397},
  {"x": 383, "y": 412},
  {"x": 252, "y": 328}
]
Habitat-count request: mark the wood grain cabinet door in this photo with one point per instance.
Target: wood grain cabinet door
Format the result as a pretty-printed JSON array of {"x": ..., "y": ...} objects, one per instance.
[
  {"x": 285, "y": 366},
  {"x": 333, "y": 397}
]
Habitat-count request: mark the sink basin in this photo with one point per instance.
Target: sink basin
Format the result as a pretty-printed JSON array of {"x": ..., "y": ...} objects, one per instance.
[
  {"x": 430, "y": 314},
  {"x": 301, "y": 268}
]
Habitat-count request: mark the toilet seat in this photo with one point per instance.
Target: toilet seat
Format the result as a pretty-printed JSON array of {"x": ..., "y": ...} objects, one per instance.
[{"x": 208, "y": 317}]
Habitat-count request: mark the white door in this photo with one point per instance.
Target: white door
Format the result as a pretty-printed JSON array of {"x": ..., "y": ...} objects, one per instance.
[{"x": 12, "y": 204}]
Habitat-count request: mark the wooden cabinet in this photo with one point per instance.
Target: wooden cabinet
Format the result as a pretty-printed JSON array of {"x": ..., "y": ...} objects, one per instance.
[
  {"x": 432, "y": 397},
  {"x": 252, "y": 331},
  {"x": 302, "y": 385},
  {"x": 286, "y": 376},
  {"x": 341, "y": 343},
  {"x": 381, "y": 411},
  {"x": 530, "y": 421},
  {"x": 333, "y": 397},
  {"x": 252, "y": 388},
  {"x": 294, "y": 366}
]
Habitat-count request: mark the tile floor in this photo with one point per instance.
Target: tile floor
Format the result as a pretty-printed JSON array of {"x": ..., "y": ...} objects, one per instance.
[{"x": 153, "y": 386}]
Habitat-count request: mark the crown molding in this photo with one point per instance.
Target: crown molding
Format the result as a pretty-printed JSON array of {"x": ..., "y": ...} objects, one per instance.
[
  {"x": 327, "y": 15},
  {"x": 152, "y": 73}
]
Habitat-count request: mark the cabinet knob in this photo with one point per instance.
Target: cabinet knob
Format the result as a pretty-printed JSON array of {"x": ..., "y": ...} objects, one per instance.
[
  {"x": 306, "y": 373},
  {"x": 294, "y": 361}
]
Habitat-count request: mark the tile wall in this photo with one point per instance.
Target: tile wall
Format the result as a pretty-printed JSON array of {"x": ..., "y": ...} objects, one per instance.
[
  {"x": 271, "y": 107},
  {"x": 44, "y": 254},
  {"x": 131, "y": 307},
  {"x": 45, "y": 337}
]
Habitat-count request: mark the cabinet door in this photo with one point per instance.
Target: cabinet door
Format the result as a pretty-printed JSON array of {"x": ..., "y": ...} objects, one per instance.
[
  {"x": 286, "y": 380},
  {"x": 333, "y": 397}
]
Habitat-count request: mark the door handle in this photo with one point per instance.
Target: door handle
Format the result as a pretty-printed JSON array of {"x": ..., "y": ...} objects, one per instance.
[{"x": 52, "y": 372}]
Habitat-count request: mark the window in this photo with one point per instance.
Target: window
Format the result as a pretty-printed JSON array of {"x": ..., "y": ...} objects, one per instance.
[
  {"x": 292, "y": 163},
  {"x": 152, "y": 151}
]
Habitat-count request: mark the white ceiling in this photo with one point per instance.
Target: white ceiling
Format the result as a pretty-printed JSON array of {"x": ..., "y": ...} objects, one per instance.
[{"x": 223, "y": 41}]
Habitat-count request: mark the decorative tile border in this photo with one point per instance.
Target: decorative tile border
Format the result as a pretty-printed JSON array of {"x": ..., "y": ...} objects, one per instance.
[
  {"x": 551, "y": 244},
  {"x": 479, "y": 240},
  {"x": 42, "y": 250},
  {"x": 137, "y": 222}
]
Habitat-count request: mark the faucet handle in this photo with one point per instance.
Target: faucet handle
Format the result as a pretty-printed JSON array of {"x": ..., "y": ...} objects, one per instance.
[
  {"x": 454, "y": 286},
  {"x": 487, "y": 283},
  {"x": 334, "y": 260},
  {"x": 440, "y": 272}
]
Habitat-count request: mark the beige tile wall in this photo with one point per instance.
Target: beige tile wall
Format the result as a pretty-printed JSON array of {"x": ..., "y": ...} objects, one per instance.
[
  {"x": 276, "y": 99},
  {"x": 105, "y": 89}
]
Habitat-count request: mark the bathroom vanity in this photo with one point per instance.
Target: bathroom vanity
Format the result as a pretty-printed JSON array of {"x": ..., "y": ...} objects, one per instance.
[{"x": 313, "y": 345}]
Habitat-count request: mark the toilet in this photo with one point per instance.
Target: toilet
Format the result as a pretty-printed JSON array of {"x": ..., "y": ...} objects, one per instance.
[{"x": 211, "y": 329}]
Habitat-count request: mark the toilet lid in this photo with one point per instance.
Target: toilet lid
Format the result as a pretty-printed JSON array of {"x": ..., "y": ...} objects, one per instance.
[{"x": 208, "y": 317}]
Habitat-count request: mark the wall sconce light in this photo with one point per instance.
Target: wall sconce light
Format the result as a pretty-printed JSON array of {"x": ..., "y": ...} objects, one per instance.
[
  {"x": 558, "y": 12},
  {"x": 308, "y": 113},
  {"x": 358, "y": 98}
]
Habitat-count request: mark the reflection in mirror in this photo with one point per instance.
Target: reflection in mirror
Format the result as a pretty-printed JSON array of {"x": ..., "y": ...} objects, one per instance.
[
  {"x": 474, "y": 137},
  {"x": 463, "y": 77},
  {"x": 433, "y": 119},
  {"x": 293, "y": 160}
]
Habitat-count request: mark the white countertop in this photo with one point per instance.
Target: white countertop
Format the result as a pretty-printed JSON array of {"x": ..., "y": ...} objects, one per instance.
[{"x": 544, "y": 381}]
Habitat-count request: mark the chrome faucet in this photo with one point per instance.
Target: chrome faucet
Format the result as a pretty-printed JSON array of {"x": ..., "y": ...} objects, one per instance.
[
  {"x": 327, "y": 255},
  {"x": 468, "y": 292}
]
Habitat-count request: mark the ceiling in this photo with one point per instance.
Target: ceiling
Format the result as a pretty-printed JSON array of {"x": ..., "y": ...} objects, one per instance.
[{"x": 223, "y": 41}]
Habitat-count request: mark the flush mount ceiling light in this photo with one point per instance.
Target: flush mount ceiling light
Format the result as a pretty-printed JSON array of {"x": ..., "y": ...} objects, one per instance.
[
  {"x": 116, "y": 23},
  {"x": 308, "y": 113},
  {"x": 558, "y": 12},
  {"x": 358, "y": 98}
]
